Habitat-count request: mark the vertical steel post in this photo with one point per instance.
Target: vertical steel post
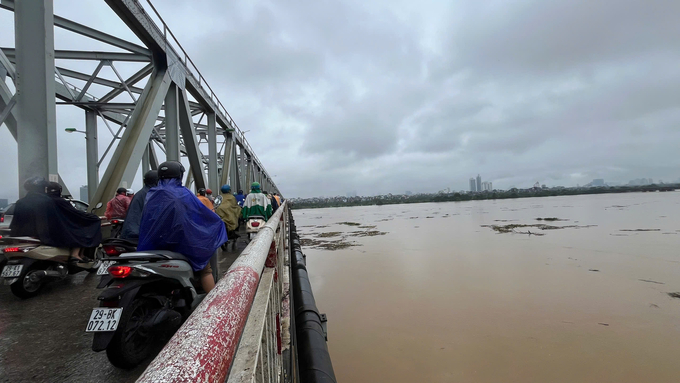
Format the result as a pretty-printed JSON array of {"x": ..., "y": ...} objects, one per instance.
[
  {"x": 146, "y": 166},
  {"x": 172, "y": 124},
  {"x": 227, "y": 162},
  {"x": 212, "y": 152},
  {"x": 36, "y": 110},
  {"x": 92, "y": 153}
]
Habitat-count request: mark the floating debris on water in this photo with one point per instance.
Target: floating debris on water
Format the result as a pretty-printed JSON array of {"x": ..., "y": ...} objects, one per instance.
[
  {"x": 594, "y": 270},
  {"x": 329, "y": 234},
  {"x": 510, "y": 228},
  {"x": 326, "y": 245},
  {"x": 368, "y": 227},
  {"x": 603, "y": 324},
  {"x": 674, "y": 295},
  {"x": 651, "y": 281},
  {"x": 640, "y": 230},
  {"x": 369, "y": 233},
  {"x": 349, "y": 223},
  {"x": 429, "y": 217},
  {"x": 551, "y": 219}
]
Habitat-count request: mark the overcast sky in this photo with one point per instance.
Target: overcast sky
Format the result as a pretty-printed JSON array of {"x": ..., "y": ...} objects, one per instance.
[{"x": 389, "y": 96}]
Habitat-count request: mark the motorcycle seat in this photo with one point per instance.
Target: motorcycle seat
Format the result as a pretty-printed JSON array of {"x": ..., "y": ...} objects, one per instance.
[{"x": 154, "y": 254}]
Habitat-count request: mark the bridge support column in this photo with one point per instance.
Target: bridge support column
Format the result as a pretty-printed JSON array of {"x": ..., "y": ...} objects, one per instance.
[
  {"x": 186, "y": 126},
  {"x": 36, "y": 110},
  {"x": 92, "y": 153},
  {"x": 172, "y": 124},
  {"x": 213, "y": 182}
]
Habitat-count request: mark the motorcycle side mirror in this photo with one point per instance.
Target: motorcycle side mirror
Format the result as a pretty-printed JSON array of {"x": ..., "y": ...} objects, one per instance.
[{"x": 98, "y": 205}]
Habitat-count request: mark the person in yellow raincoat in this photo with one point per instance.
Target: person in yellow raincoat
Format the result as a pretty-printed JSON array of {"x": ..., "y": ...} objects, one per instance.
[{"x": 229, "y": 211}]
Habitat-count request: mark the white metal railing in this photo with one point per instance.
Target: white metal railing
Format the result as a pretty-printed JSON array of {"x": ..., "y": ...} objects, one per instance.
[
  {"x": 237, "y": 331},
  {"x": 258, "y": 358}
]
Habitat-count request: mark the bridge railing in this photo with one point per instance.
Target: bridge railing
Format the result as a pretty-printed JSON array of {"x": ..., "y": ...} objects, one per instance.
[{"x": 240, "y": 329}]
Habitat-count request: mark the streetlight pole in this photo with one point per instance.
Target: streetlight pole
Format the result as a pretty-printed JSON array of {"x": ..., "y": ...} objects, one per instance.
[{"x": 92, "y": 151}]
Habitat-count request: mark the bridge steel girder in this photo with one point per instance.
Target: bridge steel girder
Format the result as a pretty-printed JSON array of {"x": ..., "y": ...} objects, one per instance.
[
  {"x": 212, "y": 152},
  {"x": 128, "y": 154},
  {"x": 186, "y": 126},
  {"x": 227, "y": 163},
  {"x": 36, "y": 112},
  {"x": 172, "y": 151}
]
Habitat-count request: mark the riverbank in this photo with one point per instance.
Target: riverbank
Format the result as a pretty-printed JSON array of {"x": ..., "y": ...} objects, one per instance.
[{"x": 392, "y": 199}]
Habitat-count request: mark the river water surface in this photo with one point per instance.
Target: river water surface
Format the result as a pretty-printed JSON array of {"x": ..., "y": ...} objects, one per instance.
[{"x": 432, "y": 295}]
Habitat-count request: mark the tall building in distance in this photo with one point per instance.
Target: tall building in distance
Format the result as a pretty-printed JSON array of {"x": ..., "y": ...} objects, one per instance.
[
  {"x": 487, "y": 186},
  {"x": 479, "y": 183},
  {"x": 473, "y": 185},
  {"x": 83, "y": 194}
]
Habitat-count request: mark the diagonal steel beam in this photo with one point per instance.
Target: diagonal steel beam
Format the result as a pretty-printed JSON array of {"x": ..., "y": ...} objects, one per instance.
[
  {"x": 128, "y": 154},
  {"x": 132, "y": 80},
  {"x": 89, "y": 81},
  {"x": 96, "y": 80},
  {"x": 186, "y": 127}
]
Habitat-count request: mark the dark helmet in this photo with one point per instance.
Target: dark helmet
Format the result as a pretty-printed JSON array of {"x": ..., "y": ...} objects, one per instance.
[
  {"x": 121, "y": 191},
  {"x": 151, "y": 178},
  {"x": 53, "y": 188},
  {"x": 201, "y": 191},
  {"x": 35, "y": 184},
  {"x": 170, "y": 169},
  {"x": 240, "y": 191}
]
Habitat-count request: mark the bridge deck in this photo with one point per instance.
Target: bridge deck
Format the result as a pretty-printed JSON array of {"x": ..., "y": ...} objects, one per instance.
[{"x": 43, "y": 338}]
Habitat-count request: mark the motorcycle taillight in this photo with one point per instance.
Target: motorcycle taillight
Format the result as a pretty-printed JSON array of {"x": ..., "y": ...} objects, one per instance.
[
  {"x": 254, "y": 224},
  {"x": 120, "y": 271},
  {"x": 112, "y": 250}
]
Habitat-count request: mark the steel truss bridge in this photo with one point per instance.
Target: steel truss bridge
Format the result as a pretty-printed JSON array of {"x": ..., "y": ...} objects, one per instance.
[{"x": 164, "y": 105}]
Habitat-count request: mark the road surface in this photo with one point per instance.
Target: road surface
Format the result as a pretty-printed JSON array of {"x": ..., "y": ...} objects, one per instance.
[{"x": 43, "y": 339}]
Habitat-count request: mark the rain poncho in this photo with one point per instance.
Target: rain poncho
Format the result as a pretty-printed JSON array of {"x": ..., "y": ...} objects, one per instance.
[
  {"x": 134, "y": 215},
  {"x": 240, "y": 198},
  {"x": 55, "y": 222},
  {"x": 117, "y": 207},
  {"x": 229, "y": 211},
  {"x": 257, "y": 204},
  {"x": 174, "y": 219}
]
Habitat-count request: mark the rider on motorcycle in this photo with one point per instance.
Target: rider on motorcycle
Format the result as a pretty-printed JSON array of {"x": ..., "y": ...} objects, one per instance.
[
  {"x": 53, "y": 220},
  {"x": 229, "y": 211},
  {"x": 174, "y": 219},
  {"x": 256, "y": 204},
  {"x": 134, "y": 214}
]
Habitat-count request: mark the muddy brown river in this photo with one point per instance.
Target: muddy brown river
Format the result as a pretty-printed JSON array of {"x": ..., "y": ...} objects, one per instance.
[{"x": 449, "y": 292}]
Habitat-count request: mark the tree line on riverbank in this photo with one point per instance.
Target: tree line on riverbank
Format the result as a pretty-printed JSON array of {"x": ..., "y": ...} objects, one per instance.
[{"x": 391, "y": 199}]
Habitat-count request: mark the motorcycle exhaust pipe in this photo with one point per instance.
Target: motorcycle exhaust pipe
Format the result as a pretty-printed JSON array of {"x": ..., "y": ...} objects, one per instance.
[{"x": 40, "y": 274}]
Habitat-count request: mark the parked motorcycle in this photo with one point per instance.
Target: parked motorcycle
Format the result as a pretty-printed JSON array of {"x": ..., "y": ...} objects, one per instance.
[
  {"x": 30, "y": 264},
  {"x": 150, "y": 295},
  {"x": 253, "y": 225}
]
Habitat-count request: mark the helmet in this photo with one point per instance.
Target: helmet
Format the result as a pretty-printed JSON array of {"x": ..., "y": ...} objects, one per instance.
[
  {"x": 53, "y": 188},
  {"x": 255, "y": 186},
  {"x": 225, "y": 189},
  {"x": 208, "y": 191},
  {"x": 151, "y": 178},
  {"x": 130, "y": 191},
  {"x": 201, "y": 191},
  {"x": 170, "y": 169},
  {"x": 35, "y": 184},
  {"x": 121, "y": 191}
]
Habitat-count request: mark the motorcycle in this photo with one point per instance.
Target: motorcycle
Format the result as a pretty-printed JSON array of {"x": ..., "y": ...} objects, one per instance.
[
  {"x": 30, "y": 264},
  {"x": 253, "y": 225},
  {"x": 149, "y": 296}
]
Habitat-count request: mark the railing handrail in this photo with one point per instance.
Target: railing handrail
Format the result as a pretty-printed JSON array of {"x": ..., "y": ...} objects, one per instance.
[{"x": 204, "y": 347}]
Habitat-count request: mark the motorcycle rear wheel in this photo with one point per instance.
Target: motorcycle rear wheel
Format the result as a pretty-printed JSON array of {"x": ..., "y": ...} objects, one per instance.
[
  {"x": 23, "y": 287},
  {"x": 132, "y": 343}
]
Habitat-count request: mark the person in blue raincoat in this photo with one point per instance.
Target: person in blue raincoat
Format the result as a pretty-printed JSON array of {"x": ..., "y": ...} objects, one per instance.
[{"x": 174, "y": 219}]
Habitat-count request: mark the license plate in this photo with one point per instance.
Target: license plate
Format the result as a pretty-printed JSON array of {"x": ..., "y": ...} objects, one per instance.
[
  {"x": 104, "y": 319},
  {"x": 11, "y": 271},
  {"x": 104, "y": 267}
]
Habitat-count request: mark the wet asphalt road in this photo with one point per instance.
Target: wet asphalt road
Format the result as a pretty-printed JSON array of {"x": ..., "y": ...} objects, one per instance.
[{"x": 43, "y": 339}]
